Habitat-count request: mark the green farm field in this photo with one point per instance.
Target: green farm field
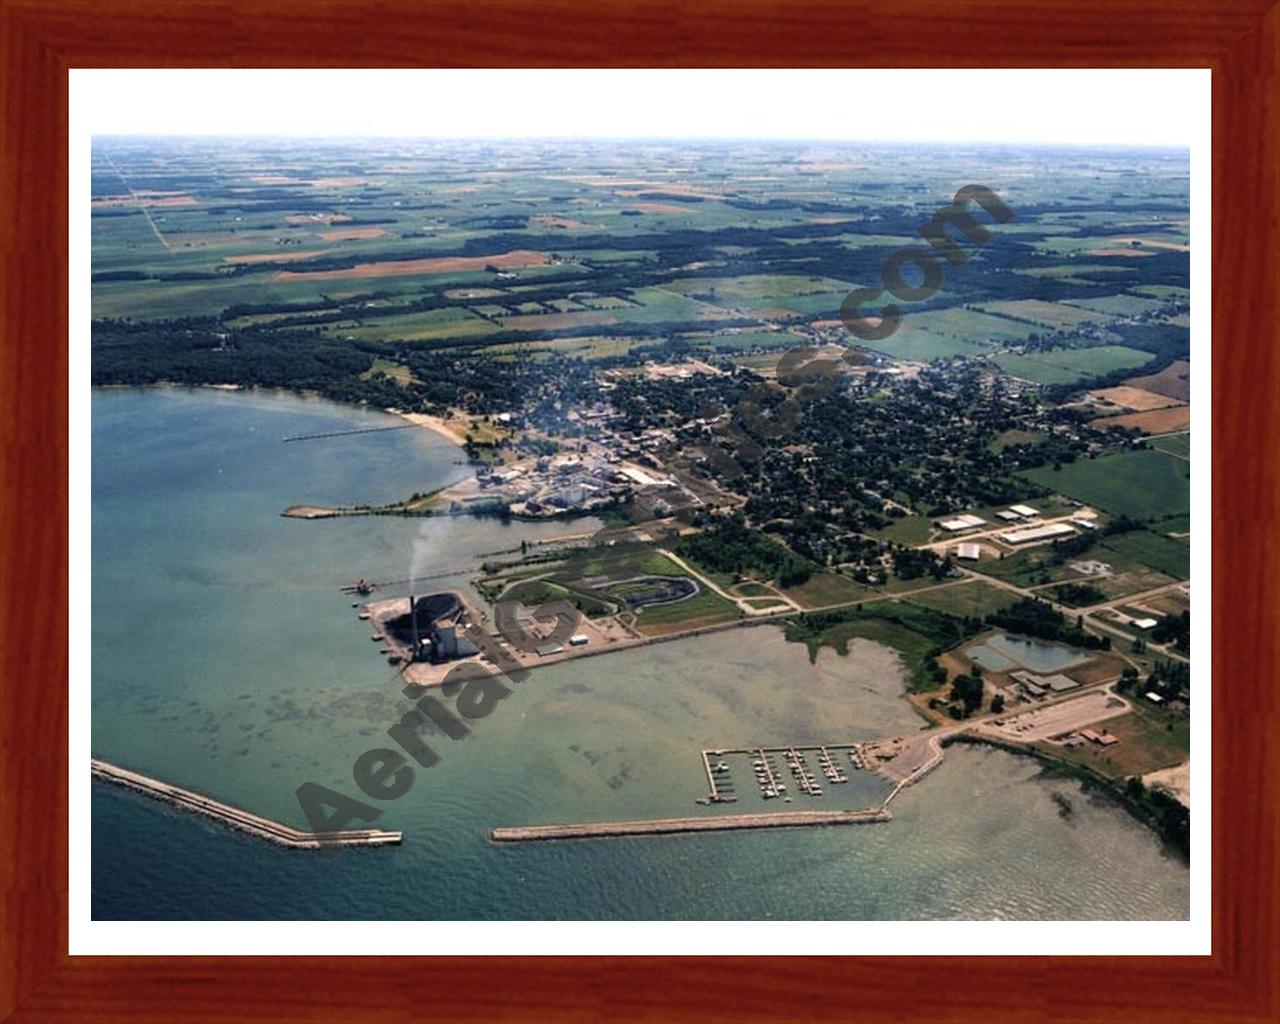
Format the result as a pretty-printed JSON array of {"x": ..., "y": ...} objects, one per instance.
[
  {"x": 1140, "y": 484},
  {"x": 1068, "y": 365},
  {"x": 1174, "y": 444},
  {"x": 1160, "y": 552}
]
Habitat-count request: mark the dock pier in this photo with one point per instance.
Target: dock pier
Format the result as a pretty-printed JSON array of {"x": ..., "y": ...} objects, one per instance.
[
  {"x": 235, "y": 817},
  {"x": 717, "y": 792},
  {"x": 347, "y": 433},
  {"x": 671, "y": 826}
]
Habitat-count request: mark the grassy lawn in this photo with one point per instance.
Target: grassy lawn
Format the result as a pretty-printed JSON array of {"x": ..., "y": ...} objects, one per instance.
[
  {"x": 1140, "y": 484},
  {"x": 826, "y": 588},
  {"x": 705, "y": 609},
  {"x": 974, "y": 598},
  {"x": 532, "y": 593},
  {"x": 1172, "y": 603},
  {"x": 1029, "y": 567},
  {"x": 767, "y": 603},
  {"x": 1133, "y": 582},
  {"x": 400, "y": 374},
  {"x": 1009, "y": 438},
  {"x": 907, "y": 530},
  {"x": 898, "y": 586},
  {"x": 622, "y": 563}
]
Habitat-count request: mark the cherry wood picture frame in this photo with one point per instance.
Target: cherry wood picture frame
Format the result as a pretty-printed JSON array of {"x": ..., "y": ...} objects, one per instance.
[{"x": 41, "y": 39}]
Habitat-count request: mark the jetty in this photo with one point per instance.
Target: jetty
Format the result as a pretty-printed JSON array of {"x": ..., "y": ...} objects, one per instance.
[
  {"x": 670, "y": 826},
  {"x": 347, "y": 433},
  {"x": 235, "y": 817}
]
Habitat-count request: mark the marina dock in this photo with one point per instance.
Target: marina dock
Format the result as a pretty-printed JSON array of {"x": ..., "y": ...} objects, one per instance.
[
  {"x": 769, "y": 778},
  {"x": 669, "y": 826},
  {"x": 234, "y": 817}
]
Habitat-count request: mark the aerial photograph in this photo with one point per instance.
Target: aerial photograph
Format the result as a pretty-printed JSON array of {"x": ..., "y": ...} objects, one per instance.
[{"x": 638, "y": 529}]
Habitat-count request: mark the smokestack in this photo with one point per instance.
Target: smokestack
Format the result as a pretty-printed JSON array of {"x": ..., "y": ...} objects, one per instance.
[{"x": 413, "y": 621}]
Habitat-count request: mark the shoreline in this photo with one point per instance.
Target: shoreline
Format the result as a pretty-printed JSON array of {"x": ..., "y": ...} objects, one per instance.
[
  {"x": 1061, "y": 768},
  {"x": 437, "y": 424}
]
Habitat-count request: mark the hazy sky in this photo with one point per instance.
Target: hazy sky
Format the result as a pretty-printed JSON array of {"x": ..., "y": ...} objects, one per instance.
[{"x": 1085, "y": 106}]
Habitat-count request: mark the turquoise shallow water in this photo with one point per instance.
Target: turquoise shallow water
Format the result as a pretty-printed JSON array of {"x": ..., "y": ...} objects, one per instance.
[{"x": 226, "y": 659}]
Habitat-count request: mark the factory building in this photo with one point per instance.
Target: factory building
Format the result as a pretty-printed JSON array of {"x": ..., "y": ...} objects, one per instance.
[
  {"x": 1037, "y": 685},
  {"x": 434, "y": 629},
  {"x": 1034, "y": 533},
  {"x": 963, "y": 522}
]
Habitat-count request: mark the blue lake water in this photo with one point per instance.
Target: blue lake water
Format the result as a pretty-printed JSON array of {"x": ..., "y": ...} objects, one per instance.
[
  {"x": 225, "y": 658},
  {"x": 1003, "y": 652}
]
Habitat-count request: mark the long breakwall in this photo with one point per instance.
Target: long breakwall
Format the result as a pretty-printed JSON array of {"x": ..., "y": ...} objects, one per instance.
[
  {"x": 235, "y": 817},
  {"x": 669, "y": 826}
]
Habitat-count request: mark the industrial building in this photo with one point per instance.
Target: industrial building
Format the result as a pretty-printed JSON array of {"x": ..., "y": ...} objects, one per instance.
[
  {"x": 1026, "y": 511},
  {"x": 1034, "y": 533},
  {"x": 969, "y": 552},
  {"x": 963, "y": 522},
  {"x": 433, "y": 628},
  {"x": 1038, "y": 686}
]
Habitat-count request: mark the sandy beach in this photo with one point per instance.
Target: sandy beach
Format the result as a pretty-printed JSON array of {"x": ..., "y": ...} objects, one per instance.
[{"x": 455, "y": 432}]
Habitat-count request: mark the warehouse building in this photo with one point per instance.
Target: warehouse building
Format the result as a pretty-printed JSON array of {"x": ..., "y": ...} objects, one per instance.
[
  {"x": 1034, "y": 533},
  {"x": 964, "y": 522}
]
